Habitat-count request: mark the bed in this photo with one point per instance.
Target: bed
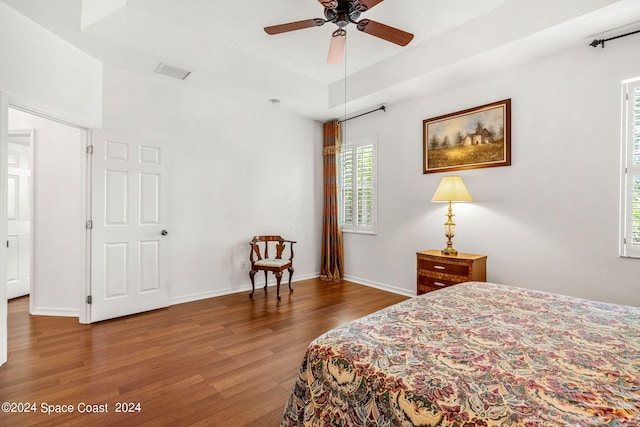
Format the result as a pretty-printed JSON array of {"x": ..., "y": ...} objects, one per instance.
[{"x": 475, "y": 354}]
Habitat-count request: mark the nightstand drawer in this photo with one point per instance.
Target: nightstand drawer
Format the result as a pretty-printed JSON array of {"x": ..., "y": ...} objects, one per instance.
[
  {"x": 424, "y": 289},
  {"x": 434, "y": 283},
  {"x": 441, "y": 267}
]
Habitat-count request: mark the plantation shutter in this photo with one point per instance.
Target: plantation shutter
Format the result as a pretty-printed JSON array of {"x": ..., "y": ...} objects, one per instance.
[
  {"x": 357, "y": 181},
  {"x": 630, "y": 244},
  {"x": 346, "y": 187},
  {"x": 365, "y": 187}
]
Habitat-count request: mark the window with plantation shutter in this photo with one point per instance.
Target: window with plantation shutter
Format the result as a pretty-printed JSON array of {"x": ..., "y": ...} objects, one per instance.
[
  {"x": 630, "y": 200},
  {"x": 357, "y": 187}
]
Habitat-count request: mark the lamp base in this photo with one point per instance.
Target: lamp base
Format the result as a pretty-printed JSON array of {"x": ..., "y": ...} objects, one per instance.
[{"x": 449, "y": 231}]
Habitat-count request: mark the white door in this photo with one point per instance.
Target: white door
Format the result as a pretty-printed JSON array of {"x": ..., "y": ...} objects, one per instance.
[
  {"x": 19, "y": 190},
  {"x": 129, "y": 239}
]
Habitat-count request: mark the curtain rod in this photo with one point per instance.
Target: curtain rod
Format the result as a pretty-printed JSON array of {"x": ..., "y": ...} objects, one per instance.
[
  {"x": 382, "y": 107},
  {"x": 596, "y": 42}
]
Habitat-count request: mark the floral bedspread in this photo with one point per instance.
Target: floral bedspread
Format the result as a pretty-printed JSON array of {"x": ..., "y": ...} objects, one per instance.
[{"x": 475, "y": 354}]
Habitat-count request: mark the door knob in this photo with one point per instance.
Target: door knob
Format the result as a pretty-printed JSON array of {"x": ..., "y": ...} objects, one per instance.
[{"x": 164, "y": 232}]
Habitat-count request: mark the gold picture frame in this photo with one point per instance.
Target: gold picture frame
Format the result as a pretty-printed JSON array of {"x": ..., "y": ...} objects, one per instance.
[{"x": 478, "y": 137}]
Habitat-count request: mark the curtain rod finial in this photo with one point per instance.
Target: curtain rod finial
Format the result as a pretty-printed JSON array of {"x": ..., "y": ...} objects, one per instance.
[{"x": 596, "y": 42}]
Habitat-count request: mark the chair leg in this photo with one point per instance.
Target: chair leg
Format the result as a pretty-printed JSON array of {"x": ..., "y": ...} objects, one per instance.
[
  {"x": 290, "y": 274},
  {"x": 265, "y": 279},
  {"x": 278, "y": 278},
  {"x": 253, "y": 287}
]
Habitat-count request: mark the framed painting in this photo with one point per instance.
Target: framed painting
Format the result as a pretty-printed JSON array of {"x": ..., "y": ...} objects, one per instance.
[{"x": 478, "y": 137}]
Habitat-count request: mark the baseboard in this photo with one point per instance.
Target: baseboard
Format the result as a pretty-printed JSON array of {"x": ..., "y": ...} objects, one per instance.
[
  {"x": 381, "y": 286},
  {"x": 59, "y": 312},
  {"x": 246, "y": 287}
]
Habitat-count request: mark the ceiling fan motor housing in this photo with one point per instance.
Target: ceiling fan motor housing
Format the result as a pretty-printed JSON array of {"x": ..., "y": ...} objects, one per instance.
[{"x": 342, "y": 14}]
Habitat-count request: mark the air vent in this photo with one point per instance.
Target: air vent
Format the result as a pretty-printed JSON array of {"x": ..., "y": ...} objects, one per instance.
[{"x": 168, "y": 70}]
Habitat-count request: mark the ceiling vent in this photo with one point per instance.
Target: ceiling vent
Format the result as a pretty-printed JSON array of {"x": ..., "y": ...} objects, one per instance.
[{"x": 168, "y": 70}]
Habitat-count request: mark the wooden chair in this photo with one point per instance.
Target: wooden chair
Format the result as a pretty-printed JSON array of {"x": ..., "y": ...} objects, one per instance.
[{"x": 260, "y": 260}]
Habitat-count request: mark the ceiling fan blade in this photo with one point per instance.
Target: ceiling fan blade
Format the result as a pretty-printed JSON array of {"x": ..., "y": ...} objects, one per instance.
[
  {"x": 293, "y": 26},
  {"x": 364, "y": 5},
  {"x": 329, "y": 4},
  {"x": 336, "y": 48},
  {"x": 385, "y": 32}
]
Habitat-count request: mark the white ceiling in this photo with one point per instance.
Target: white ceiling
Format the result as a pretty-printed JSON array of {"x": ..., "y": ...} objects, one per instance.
[{"x": 223, "y": 44}]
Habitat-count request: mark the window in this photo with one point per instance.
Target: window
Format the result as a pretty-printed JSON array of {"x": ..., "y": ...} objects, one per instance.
[
  {"x": 630, "y": 181},
  {"x": 357, "y": 187}
]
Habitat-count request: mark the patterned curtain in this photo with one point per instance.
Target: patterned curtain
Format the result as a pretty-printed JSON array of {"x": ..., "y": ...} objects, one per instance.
[{"x": 332, "y": 262}]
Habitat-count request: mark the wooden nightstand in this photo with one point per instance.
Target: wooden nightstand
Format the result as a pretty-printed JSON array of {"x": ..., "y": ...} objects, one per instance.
[{"x": 436, "y": 271}]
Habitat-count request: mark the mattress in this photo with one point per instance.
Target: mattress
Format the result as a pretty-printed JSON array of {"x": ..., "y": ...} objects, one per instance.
[{"x": 475, "y": 354}]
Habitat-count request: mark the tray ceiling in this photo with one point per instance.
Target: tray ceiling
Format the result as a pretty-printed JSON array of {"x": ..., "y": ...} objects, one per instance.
[{"x": 223, "y": 45}]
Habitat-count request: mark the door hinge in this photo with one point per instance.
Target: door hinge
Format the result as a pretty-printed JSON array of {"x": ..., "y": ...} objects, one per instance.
[
  {"x": 89, "y": 224},
  {"x": 89, "y": 149},
  {"x": 7, "y": 243},
  {"x": 89, "y": 299}
]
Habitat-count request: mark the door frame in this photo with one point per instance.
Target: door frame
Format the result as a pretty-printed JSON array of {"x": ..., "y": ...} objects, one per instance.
[
  {"x": 7, "y": 102},
  {"x": 4, "y": 172}
]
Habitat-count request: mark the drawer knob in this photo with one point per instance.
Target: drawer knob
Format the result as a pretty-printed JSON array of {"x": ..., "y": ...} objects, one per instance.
[
  {"x": 439, "y": 284},
  {"x": 439, "y": 267}
]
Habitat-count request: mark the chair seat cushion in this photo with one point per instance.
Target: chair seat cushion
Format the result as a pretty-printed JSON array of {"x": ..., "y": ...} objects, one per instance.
[{"x": 272, "y": 262}]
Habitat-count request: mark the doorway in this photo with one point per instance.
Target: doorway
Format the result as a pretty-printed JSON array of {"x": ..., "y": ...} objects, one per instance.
[
  {"x": 19, "y": 212},
  {"x": 49, "y": 253}
]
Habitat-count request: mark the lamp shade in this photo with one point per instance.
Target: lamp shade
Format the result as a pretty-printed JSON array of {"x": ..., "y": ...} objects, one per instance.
[{"x": 451, "y": 189}]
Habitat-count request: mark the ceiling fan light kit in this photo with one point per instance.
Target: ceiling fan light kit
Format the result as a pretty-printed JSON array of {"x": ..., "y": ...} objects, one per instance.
[{"x": 343, "y": 13}]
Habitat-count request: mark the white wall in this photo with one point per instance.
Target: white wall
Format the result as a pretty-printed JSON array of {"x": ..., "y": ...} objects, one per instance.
[
  {"x": 549, "y": 221},
  {"x": 237, "y": 170},
  {"x": 43, "y": 69},
  {"x": 59, "y": 251}
]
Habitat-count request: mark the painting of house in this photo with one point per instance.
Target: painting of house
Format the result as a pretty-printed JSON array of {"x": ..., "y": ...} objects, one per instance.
[{"x": 482, "y": 137}]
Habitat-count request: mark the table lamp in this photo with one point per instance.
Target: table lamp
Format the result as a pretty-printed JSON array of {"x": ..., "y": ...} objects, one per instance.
[{"x": 451, "y": 189}]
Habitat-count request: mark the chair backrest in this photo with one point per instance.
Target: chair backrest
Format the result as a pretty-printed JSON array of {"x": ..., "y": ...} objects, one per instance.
[{"x": 260, "y": 246}]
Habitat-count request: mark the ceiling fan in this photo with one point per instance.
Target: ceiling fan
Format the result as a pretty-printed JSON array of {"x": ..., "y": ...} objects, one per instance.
[{"x": 342, "y": 13}]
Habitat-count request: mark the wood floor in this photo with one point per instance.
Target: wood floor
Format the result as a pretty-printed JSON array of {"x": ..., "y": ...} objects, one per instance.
[{"x": 226, "y": 361}]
